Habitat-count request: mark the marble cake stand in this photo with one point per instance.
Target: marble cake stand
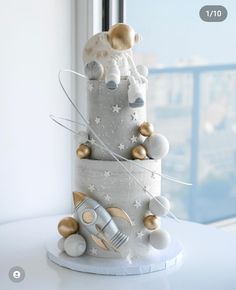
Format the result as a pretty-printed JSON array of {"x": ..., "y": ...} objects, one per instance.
[{"x": 88, "y": 264}]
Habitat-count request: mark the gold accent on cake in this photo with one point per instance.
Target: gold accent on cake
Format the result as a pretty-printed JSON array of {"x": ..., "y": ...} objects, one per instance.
[
  {"x": 87, "y": 217},
  {"x": 119, "y": 213},
  {"x": 139, "y": 152},
  {"x": 151, "y": 222},
  {"x": 78, "y": 197},
  {"x": 68, "y": 226},
  {"x": 100, "y": 243},
  {"x": 83, "y": 151},
  {"x": 146, "y": 129}
]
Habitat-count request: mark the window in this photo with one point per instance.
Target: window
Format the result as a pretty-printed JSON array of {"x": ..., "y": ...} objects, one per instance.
[{"x": 192, "y": 100}]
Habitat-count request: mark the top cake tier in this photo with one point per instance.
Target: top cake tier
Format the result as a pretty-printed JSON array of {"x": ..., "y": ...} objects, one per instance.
[{"x": 113, "y": 120}]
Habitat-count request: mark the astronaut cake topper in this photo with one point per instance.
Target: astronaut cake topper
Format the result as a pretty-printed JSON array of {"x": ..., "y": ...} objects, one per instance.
[{"x": 108, "y": 55}]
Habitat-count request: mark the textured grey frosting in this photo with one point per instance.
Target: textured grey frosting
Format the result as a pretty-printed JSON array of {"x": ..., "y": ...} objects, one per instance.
[
  {"x": 103, "y": 179},
  {"x": 114, "y": 128},
  {"x": 111, "y": 186}
]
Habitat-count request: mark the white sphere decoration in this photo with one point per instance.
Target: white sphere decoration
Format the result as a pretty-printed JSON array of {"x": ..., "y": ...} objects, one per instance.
[
  {"x": 75, "y": 245},
  {"x": 60, "y": 244},
  {"x": 159, "y": 239},
  {"x": 159, "y": 206},
  {"x": 82, "y": 137},
  {"x": 157, "y": 146}
]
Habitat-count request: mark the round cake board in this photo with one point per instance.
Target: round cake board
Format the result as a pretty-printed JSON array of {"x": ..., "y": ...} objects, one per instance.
[{"x": 160, "y": 260}]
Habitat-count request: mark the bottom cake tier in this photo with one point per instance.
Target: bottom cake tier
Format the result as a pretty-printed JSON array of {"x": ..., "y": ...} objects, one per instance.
[
  {"x": 112, "y": 187},
  {"x": 158, "y": 261}
]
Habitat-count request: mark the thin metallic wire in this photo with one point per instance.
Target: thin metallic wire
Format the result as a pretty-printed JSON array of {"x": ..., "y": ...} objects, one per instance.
[{"x": 141, "y": 166}]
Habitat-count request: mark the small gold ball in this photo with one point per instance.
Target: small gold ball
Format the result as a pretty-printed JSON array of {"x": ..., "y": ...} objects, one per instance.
[
  {"x": 139, "y": 152},
  {"x": 146, "y": 129},
  {"x": 68, "y": 226},
  {"x": 83, "y": 151},
  {"x": 151, "y": 222}
]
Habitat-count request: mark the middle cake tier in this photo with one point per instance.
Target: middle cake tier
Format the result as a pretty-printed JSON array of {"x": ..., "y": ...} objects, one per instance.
[{"x": 113, "y": 120}]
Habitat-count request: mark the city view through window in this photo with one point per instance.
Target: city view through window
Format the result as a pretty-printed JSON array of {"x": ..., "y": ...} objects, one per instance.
[{"x": 192, "y": 101}]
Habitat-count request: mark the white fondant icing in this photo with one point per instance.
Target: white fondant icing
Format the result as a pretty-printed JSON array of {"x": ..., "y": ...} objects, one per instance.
[
  {"x": 97, "y": 120},
  {"x": 140, "y": 235},
  {"x": 91, "y": 187},
  {"x": 137, "y": 204},
  {"x": 107, "y": 197},
  {"x": 121, "y": 147},
  {"x": 107, "y": 173},
  {"x": 93, "y": 252},
  {"x": 116, "y": 108},
  {"x": 134, "y": 139}
]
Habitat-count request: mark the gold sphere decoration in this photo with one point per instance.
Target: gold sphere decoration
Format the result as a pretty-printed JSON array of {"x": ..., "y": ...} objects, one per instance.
[
  {"x": 146, "y": 129},
  {"x": 139, "y": 152},
  {"x": 151, "y": 222},
  {"x": 68, "y": 226},
  {"x": 83, "y": 151}
]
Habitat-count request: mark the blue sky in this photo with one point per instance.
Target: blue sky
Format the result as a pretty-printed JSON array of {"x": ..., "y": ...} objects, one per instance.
[{"x": 173, "y": 30}]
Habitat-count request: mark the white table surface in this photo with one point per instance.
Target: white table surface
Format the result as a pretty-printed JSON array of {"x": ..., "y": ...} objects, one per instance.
[{"x": 209, "y": 261}]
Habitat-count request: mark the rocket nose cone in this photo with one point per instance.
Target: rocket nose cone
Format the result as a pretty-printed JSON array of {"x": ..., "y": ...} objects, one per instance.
[{"x": 78, "y": 197}]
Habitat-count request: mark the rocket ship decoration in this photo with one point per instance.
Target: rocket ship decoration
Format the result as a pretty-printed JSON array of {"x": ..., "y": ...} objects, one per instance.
[{"x": 99, "y": 223}]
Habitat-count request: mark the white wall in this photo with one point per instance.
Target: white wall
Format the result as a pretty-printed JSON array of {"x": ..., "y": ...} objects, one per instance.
[{"x": 35, "y": 165}]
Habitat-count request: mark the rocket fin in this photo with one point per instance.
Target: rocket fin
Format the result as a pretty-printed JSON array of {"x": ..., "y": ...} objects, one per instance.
[
  {"x": 119, "y": 213},
  {"x": 100, "y": 243}
]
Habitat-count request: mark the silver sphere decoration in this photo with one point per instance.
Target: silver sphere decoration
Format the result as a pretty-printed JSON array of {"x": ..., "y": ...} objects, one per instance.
[
  {"x": 93, "y": 70},
  {"x": 159, "y": 206},
  {"x": 75, "y": 245}
]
